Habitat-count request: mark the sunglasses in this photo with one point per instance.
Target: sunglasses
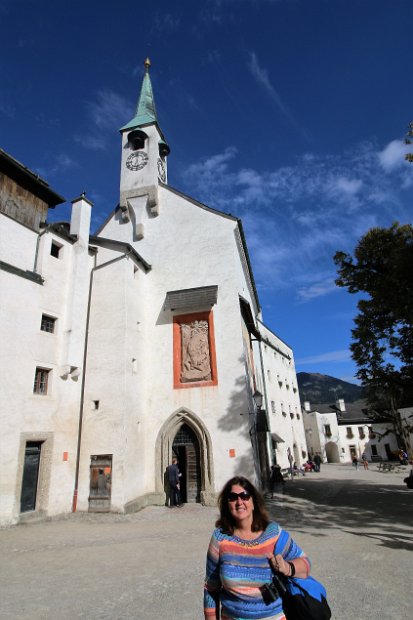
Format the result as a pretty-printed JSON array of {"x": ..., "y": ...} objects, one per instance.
[{"x": 244, "y": 495}]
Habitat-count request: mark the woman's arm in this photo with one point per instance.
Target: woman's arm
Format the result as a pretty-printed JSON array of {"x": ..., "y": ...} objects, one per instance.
[
  {"x": 299, "y": 567},
  {"x": 289, "y": 559},
  {"x": 212, "y": 587}
]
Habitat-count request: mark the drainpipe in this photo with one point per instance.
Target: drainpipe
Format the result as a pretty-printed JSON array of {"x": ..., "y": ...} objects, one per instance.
[
  {"x": 264, "y": 385},
  {"x": 82, "y": 393}
]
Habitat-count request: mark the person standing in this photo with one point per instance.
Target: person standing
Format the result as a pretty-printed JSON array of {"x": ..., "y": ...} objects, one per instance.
[
  {"x": 355, "y": 462},
  {"x": 291, "y": 463},
  {"x": 317, "y": 462},
  {"x": 173, "y": 474},
  {"x": 245, "y": 548},
  {"x": 277, "y": 481},
  {"x": 364, "y": 460}
]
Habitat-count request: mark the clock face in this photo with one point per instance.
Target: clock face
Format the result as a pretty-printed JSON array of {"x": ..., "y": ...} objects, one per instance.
[
  {"x": 161, "y": 170},
  {"x": 137, "y": 160}
]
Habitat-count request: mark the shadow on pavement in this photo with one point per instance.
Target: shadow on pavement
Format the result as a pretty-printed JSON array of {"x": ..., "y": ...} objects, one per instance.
[{"x": 382, "y": 512}]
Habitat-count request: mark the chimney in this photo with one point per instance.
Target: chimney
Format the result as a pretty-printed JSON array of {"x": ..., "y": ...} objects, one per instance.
[
  {"x": 80, "y": 219},
  {"x": 307, "y": 406},
  {"x": 340, "y": 404}
]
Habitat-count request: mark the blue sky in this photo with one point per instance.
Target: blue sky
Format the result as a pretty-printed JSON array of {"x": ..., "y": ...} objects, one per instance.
[{"x": 289, "y": 114}]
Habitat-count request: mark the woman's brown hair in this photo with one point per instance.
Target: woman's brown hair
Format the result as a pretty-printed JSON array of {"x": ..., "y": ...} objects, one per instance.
[{"x": 260, "y": 517}]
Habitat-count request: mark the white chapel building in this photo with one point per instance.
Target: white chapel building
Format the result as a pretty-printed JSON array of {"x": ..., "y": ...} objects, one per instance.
[{"x": 124, "y": 347}]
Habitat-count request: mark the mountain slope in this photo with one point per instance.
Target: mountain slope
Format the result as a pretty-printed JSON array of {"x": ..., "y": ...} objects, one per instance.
[{"x": 318, "y": 388}]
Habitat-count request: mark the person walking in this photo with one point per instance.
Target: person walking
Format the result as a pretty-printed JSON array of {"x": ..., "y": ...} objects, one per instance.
[
  {"x": 277, "y": 481},
  {"x": 172, "y": 472},
  {"x": 355, "y": 462},
  {"x": 317, "y": 462},
  {"x": 291, "y": 463},
  {"x": 244, "y": 549},
  {"x": 364, "y": 460}
]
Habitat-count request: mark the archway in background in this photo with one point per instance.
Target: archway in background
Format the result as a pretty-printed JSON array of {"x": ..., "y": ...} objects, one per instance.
[
  {"x": 332, "y": 453},
  {"x": 184, "y": 434}
]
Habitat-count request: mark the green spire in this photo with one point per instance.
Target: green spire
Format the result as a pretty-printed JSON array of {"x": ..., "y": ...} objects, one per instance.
[{"x": 145, "y": 111}]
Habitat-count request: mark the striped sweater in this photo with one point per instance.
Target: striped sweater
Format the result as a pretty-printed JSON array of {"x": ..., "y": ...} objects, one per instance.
[{"x": 235, "y": 570}]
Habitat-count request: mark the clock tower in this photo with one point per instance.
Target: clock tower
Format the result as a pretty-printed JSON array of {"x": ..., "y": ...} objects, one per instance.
[{"x": 144, "y": 153}]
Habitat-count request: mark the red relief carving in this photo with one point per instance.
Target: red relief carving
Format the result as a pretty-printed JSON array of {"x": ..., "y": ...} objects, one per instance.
[{"x": 194, "y": 350}]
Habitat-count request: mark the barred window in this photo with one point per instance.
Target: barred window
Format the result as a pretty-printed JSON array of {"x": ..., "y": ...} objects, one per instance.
[
  {"x": 47, "y": 324},
  {"x": 41, "y": 379}
]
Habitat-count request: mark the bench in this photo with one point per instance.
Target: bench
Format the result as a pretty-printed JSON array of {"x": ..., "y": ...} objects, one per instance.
[{"x": 386, "y": 466}]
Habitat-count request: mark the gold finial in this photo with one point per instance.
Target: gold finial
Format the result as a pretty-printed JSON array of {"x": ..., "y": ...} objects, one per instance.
[{"x": 147, "y": 64}]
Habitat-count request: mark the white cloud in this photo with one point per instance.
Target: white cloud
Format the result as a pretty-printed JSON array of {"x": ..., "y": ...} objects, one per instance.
[
  {"x": 94, "y": 143},
  {"x": 348, "y": 186},
  {"x": 392, "y": 156},
  {"x": 261, "y": 76},
  {"x": 342, "y": 355},
  {"x": 110, "y": 110},
  {"x": 296, "y": 217},
  {"x": 317, "y": 289}
]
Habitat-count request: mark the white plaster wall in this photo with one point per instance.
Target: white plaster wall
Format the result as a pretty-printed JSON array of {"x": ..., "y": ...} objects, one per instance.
[
  {"x": 25, "y": 416},
  {"x": 17, "y": 243},
  {"x": 188, "y": 247},
  {"x": 283, "y": 399}
]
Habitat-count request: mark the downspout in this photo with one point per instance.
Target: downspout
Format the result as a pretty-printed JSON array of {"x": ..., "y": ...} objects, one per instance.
[
  {"x": 82, "y": 392},
  {"x": 264, "y": 385}
]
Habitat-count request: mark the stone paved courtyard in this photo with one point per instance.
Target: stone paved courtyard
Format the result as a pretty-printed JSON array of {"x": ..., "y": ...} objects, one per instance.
[{"x": 355, "y": 526}]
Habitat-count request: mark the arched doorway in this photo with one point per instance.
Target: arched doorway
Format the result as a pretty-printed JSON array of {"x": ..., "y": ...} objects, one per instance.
[
  {"x": 332, "y": 453},
  {"x": 185, "y": 435},
  {"x": 186, "y": 447}
]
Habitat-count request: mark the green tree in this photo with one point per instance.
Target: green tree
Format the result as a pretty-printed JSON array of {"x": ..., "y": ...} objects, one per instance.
[
  {"x": 408, "y": 140},
  {"x": 382, "y": 338}
]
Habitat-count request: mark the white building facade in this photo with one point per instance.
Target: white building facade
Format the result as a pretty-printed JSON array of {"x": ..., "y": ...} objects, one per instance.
[
  {"x": 128, "y": 346},
  {"x": 342, "y": 431}
]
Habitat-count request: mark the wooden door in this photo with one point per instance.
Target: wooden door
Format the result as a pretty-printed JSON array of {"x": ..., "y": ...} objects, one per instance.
[
  {"x": 100, "y": 483},
  {"x": 186, "y": 448},
  {"x": 30, "y": 476}
]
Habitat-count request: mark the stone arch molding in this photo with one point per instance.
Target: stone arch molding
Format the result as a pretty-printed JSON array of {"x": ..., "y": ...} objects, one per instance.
[{"x": 163, "y": 451}]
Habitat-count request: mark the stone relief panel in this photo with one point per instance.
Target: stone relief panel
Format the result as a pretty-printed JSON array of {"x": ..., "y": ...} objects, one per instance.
[{"x": 195, "y": 354}]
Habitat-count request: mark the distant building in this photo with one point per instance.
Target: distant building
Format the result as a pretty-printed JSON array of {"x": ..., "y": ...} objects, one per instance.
[
  {"x": 124, "y": 347},
  {"x": 282, "y": 399},
  {"x": 342, "y": 430}
]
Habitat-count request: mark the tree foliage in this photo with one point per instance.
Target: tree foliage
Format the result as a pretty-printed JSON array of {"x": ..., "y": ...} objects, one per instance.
[
  {"x": 408, "y": 140},
  {"x": 382, "y": 338}
]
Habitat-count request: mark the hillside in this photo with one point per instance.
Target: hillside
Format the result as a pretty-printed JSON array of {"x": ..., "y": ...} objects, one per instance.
[{"x": 318, "y": 388}]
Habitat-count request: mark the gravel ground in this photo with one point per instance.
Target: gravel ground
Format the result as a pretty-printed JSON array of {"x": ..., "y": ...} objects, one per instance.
[{"x": 356, "y": 526}]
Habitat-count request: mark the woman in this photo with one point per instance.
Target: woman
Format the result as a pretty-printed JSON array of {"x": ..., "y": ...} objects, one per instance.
[{"x": 240, "y": 553}]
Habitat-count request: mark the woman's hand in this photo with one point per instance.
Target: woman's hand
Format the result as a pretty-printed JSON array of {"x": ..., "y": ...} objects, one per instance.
[
  {"x": 299, "y": 567},
  {"x": 279, "y": 565}
]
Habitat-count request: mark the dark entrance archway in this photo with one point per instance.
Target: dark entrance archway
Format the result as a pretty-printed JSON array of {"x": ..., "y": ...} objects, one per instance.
[{"x": 186, "y": 447}]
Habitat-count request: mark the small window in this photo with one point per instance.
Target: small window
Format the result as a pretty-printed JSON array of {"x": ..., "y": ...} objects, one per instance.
[
  {"x": 373, "y": 450},
  {"x": 361, "y": 432},
  {"x": 273, "y": 406},
  {"x": 327, "y": 430},
  {"x": 298, "y": 416},
  {"x": 349, "y": 432},
  {"x": 41, "y": 380},
  {"x": 55, "y": 249},
  {"x": 48, "y": 324}
]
